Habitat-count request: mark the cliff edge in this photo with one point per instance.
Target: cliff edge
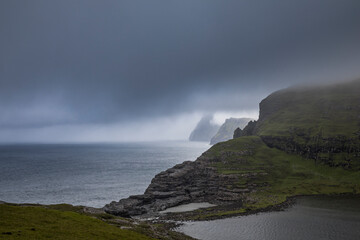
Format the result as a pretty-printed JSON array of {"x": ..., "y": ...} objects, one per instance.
[
  {"x": 321, "y": 123},
  {"x": 305, "y": 142}
]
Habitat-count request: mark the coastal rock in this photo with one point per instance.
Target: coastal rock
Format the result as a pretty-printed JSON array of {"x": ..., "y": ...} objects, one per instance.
[{"x": 188, "y": 182}]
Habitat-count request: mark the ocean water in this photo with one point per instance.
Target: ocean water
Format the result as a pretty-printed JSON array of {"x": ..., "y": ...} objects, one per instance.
[
  {"x": 86, "y": 174},
  {"x": 311, "y": 218}
]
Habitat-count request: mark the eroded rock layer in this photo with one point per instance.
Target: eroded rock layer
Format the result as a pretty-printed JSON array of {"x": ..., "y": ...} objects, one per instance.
[{"x": 197, "y": 181}]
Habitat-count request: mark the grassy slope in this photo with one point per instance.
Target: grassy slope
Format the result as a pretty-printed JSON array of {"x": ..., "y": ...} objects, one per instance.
[
  {"x": 320, "y": 122},
  {"x": 278, "y": 175},
  {"x": 33, "y": 222},
  {"x": 67, "y": 222},
  {"x": 330, "y": 111}
]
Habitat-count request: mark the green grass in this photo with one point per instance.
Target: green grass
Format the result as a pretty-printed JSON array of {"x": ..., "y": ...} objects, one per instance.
[
  {"x": 64, "y": 221},
  {"x": 282, "y": 174},
  {"x": 330, "y": 111},
  {"x": 35, "y": 222}
]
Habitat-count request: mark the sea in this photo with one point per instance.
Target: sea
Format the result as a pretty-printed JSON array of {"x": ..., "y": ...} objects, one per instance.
[{"x": 86, "y": 174}]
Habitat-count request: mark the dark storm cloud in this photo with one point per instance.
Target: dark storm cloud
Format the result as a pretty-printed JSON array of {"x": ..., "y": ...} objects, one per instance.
[{"x": 92, "y": 61}]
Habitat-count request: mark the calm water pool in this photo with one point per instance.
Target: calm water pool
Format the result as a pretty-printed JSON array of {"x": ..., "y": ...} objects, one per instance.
[{"x": 310, "y": 218}]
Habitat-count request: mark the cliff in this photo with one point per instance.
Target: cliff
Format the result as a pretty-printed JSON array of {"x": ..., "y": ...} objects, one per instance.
[
  {"x": 226, "y": 130},
  {"x": 188, "y": 182},
  {"x": 204, "y": 130},
  {"x": 321, "y": 123},
  {"x": 306, "y": 141}
]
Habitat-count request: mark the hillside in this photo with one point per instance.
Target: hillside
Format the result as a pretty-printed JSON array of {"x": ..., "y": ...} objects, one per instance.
[
  {"x": 226, "y": 130},
  {"x": 305, "y": 142},
  {"x": 239, "y": 176},
  {"x": 321, "y": 123}
]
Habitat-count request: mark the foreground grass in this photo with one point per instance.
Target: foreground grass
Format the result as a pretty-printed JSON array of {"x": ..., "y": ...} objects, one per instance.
[
  {"x": 65, "y": 221},
  {"x": 35, "y": 222}
]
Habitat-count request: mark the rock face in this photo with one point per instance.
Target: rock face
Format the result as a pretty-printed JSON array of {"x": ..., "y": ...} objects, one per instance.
[
  {"x": 237, "y": 133},
  {"x": 226, "y": 130},
  {"x": 188, "y": 182},
  {"x": 204, "y": 130}
]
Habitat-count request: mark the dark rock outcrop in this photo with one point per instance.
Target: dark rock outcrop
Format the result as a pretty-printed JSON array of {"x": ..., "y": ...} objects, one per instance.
[
  {"x": 339, "y": 151},
  {"x": 249, "y": 130},
  {"x": 237, "y": 133},
  {"x": 187, "y": 182}
]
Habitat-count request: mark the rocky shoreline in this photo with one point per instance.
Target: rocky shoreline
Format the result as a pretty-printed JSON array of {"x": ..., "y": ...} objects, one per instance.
[
  {"x": 194, "y": 215},
  {"x": 240, "y": 189},
  {"x": 172, "y": 219},
  {"x": 212, "y": 213},
  {"x": 188, "y": 182}
]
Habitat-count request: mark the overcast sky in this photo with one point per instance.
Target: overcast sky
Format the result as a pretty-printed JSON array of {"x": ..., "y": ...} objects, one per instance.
[{"x": 86, "y": 70}]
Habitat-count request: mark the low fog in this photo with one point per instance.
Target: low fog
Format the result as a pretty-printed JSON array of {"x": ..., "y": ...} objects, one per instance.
[{"x": 137, "y": 70}]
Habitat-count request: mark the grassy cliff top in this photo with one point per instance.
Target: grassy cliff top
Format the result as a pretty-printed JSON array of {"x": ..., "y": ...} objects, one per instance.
[{"x": 328, "y": 110}]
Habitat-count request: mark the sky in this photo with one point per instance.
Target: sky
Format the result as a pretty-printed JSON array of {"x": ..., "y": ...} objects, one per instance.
[{"x": 139, "y": 70}]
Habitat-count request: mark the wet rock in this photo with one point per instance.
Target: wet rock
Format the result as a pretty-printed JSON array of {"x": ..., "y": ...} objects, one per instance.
[{"x": 188, "y": 182}]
